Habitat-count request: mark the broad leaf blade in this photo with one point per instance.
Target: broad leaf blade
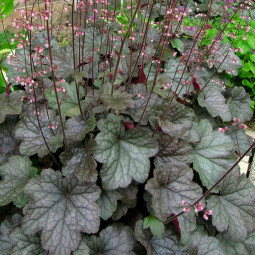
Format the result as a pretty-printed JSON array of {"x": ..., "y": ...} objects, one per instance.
[
  {"x": 108, "y": 203},
  {"x": 178, "y": 120},
  {"x": 239, "y": 104},
  {"x": 11, "y": 104},
  {"x": 28, "y": 130},
  {"x": 15, "y": 174},
  {"x": 61, "y": 209},
  {"x": 125, "y": 154},
  {"x": 213, "y": 155},
  {"x": 215, "y": 103},
  {"x": 119, "y": 100},
  {"x": 140, "y": 97},
  {"x": 173, "y": 150},
  {"x": 111, "y": 241},
  {"x": 234, "y": 210},
  {"x": 8, "y": 143},
  {"x": 78, "y": 160},
  {"x": 77, "y": 127},
  {"x": 156, "y": 226},
  {"x": 202, "y": 244},
  {"x": 169, "y": 187}
]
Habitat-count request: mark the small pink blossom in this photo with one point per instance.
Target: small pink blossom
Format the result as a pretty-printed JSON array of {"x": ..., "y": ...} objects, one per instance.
[
  {"x": 186, "y": 209},
  {"x": 199, "y": 207},
  {"x": 222, "y": 130},
  {"x": 184, "y": 202},
  {"x": 243, "y": 126}
]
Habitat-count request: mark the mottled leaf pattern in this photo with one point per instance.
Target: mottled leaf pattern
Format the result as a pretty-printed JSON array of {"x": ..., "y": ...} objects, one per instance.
[
  {"x": 108, "y": 203},
  {"x": 28, "y": 130},
  {"x": 215, "y": 103},
  {"x": 125, "y": 154},
  {"x": 234, "y": 210},
  {"x": 11, "y": 104},
  {"x": 111, "y": 241},
  {"x": 239, "y": 102},
  {"x": 8, "y": 143},
  {"x": 15, "y": 174},
  {"x": 169, "y": 187},
  {"x": 61, "y": 208},
  {"x": 173, "y": 150},
  {"x": 140, "y": 97},
  {"x": 213, "y": 155},
  {"x": 78, "y": 160}
]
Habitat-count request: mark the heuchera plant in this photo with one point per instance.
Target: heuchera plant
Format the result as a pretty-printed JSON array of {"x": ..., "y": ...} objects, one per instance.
[{"x": 126, "y": 140}]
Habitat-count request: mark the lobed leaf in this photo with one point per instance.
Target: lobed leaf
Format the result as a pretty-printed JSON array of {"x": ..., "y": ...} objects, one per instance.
[
  {"x": 11, "y": 104},
  {"x": 15, "y": 174},
  {"x": 215, "y": 103},
  {"x": 125, "y": 154},
  {"x": 79, "y": 161},
  {"x": 28, "y": 130},
  {"x": 111, "y": 241},
  {"x": 213, "y": 155},
  {"x": 169, "y": 187},
  {"x": 234, "y": 210},
  {"x": 61, "y": 208}
]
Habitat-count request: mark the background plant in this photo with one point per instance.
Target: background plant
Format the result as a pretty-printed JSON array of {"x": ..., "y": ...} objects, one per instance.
[{"x": 127, "y": 139}]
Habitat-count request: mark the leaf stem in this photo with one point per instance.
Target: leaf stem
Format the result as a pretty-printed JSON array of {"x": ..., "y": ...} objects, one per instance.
[{"x": 216, "y": 184}]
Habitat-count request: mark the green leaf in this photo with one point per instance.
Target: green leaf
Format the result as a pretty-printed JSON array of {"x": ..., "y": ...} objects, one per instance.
[
  {"x": 169, "y": 244},
  {"x": 68, "y": 100},
  {"x": 108, "y": 203},
  {"x": 169, "y": 187},
  {"x": 78, "y": 160},
  {"x": 11, "y": 104},
  {"x": 6, "y": 227},
  {"x": 250, "y": 41},
  {"x": 119, "y": 101},
  {"x": 111, "y": 241},
  {"x": 213, "y": 155},
  {"x": 61, "y": 208},
  {"x": 157, "y": 227},
  {"x": 125, "y": 154},
  {"x": 203, "y": 244},
  {"x": 8, "y": 143},
  {"x": 28, "y": 131},
  {"x": 231, "y": 247},
  {"x": 63, "y": 58},
  {"x": 173, "y": 150},
  {"x": 234, "y": 210},
  {"x": 250, "y": 242},
  {"x": 178, "y": 120},
  {"x": 128, "y": 200},
  {"x": 140, "y": 97},
  {"x": 215, "y": 103},
  {"x": 26, "y": 243},
  {"x": 241, "y": 140},
  {"x": 6, "y": 8},
  {"x": 225, "y": 60},
  {"x": 15, "y": 174},
  {"x": 144, "y": 236},
  {"x": 239, "y": 102},
  {"x": 178, "y": 44},
  {"x": 77, "y": 127}
]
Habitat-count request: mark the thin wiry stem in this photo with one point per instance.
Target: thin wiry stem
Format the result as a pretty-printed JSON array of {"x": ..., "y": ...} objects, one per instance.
[{"x": 215, "y": 185}]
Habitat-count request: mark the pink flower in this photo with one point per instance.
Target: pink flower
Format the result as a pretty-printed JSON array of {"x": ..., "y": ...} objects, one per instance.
[
  {"x": 186, "y": 209},
  {"x": 184, "y": 202},
  {"x": 222, "y": 130}
]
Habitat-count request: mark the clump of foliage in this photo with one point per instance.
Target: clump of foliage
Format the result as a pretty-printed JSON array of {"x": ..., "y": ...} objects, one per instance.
[{"x": 126, "y": 140}]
